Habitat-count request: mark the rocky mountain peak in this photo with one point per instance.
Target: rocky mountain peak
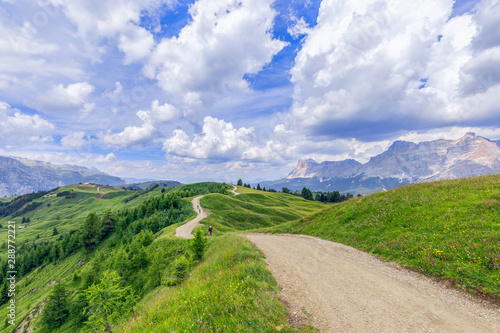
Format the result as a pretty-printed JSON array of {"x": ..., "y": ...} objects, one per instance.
[
  {"x": 310, "y": 168},
  {"x": 400, "y": 145},
  {"x": 302, "y": 166},
  {"x": 408, "y": 162}
]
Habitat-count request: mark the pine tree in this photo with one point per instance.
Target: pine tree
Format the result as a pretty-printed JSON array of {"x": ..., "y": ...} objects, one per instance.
[
  {"x": 107, "y": 300},
  {"x": 53, "y": 253},
  {"x": 55, "y": 232},
  {"x": 306, "y": 194},
  {"x": 155, "y": 270},
  {"x": 108, "y": 223},
  {"x": 258, "y": 187},
  {"x": 336, "y": 197},
  {"x": 154, "y": 223},
  {"x": 90, "y": 231},
  {"x": 56, "y": 308},
  {"x": 198, "y": 244},
  {"x": 240, "y": 182},
  {"x": 4, "y": 293}
]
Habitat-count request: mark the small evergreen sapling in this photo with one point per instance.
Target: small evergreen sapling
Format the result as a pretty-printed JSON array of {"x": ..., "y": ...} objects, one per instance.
[{"x": 198, "y": 244}]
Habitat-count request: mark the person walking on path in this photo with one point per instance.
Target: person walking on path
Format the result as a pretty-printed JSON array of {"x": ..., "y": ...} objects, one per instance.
[{"x": 210, "y": 229}]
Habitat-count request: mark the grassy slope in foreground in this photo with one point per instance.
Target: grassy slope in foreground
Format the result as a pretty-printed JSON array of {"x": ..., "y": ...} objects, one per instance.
[
  {"x": 231, "y": 291},
  {"x": 448, "y": 229},
  {"x": 253, "y": 209}
]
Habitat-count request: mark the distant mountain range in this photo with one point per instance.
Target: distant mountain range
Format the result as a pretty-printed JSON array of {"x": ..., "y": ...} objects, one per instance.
[
  {"x": 402, "y": 164},
  {"x": 20, "y": 175}
]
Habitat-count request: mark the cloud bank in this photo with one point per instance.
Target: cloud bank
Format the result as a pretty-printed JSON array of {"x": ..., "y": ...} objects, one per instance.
[{"x": 371, "y": 69}]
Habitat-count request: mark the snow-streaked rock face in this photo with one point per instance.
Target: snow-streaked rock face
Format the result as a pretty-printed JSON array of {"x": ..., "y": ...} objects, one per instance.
[
  {"x": 468, "y": 156},
  {"x": 19, "y": 175}
]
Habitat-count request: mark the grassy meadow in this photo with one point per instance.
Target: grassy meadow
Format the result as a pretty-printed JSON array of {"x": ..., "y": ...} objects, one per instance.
[{"x": 254, "y": 209}]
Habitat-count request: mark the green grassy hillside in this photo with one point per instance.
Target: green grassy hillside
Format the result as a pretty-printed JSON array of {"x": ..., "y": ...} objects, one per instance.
[
  {"x": 155, "y": 273},
  {"x": 119, "y": 241},
  {"x": 448, "y": 229},
  {"x": 254, "y": 209},
  {"x": 68, "y": 210}
]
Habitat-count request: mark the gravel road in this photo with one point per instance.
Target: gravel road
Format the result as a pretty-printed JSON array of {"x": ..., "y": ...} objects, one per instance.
[
  {"x": 337, "y": 288},
  {"x": 185, "y": 230}
]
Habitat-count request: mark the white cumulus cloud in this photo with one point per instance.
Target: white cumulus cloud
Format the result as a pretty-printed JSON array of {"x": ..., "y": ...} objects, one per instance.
[
  {"x": 151, "y": 119},
  {"x": 75, "y": 141},
  {"x": 131, "y": 135},
  {"x": 18, "y": 129},
  {"x": 72, "y": 97},
  {"x": 163, "y": 113},
  {"x": 374, "y": 68},
  {"x": 225, "y": 40},
  {"x": 110, "y": 158},
  {"x": 220, "y": 140},
  {"x": 98, "y": 20}
]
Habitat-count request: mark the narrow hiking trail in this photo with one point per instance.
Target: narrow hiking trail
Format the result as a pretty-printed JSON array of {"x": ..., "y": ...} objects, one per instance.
[
  {"x": 234, "y": 190},
  {"x": 185, "y": 230},
  {"x": 341, "y": 289}
]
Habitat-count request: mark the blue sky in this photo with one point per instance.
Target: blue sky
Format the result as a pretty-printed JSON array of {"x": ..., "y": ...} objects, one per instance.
[{"x": 226, "y": 89}]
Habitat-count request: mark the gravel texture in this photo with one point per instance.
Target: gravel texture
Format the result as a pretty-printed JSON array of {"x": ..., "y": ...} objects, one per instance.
[{"x": 337, "y": 288}]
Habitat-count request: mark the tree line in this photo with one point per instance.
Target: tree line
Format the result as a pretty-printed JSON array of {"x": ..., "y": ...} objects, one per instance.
[
  {"x": 306, "y": 193},
  {"x": 12, "y": 207}
]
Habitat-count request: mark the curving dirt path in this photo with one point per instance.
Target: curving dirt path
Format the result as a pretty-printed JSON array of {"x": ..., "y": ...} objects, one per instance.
[
  {"x": 340, "y": 289},
  {"x": 185, "y": 230},
  {"x": 234, "y": 190}
]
